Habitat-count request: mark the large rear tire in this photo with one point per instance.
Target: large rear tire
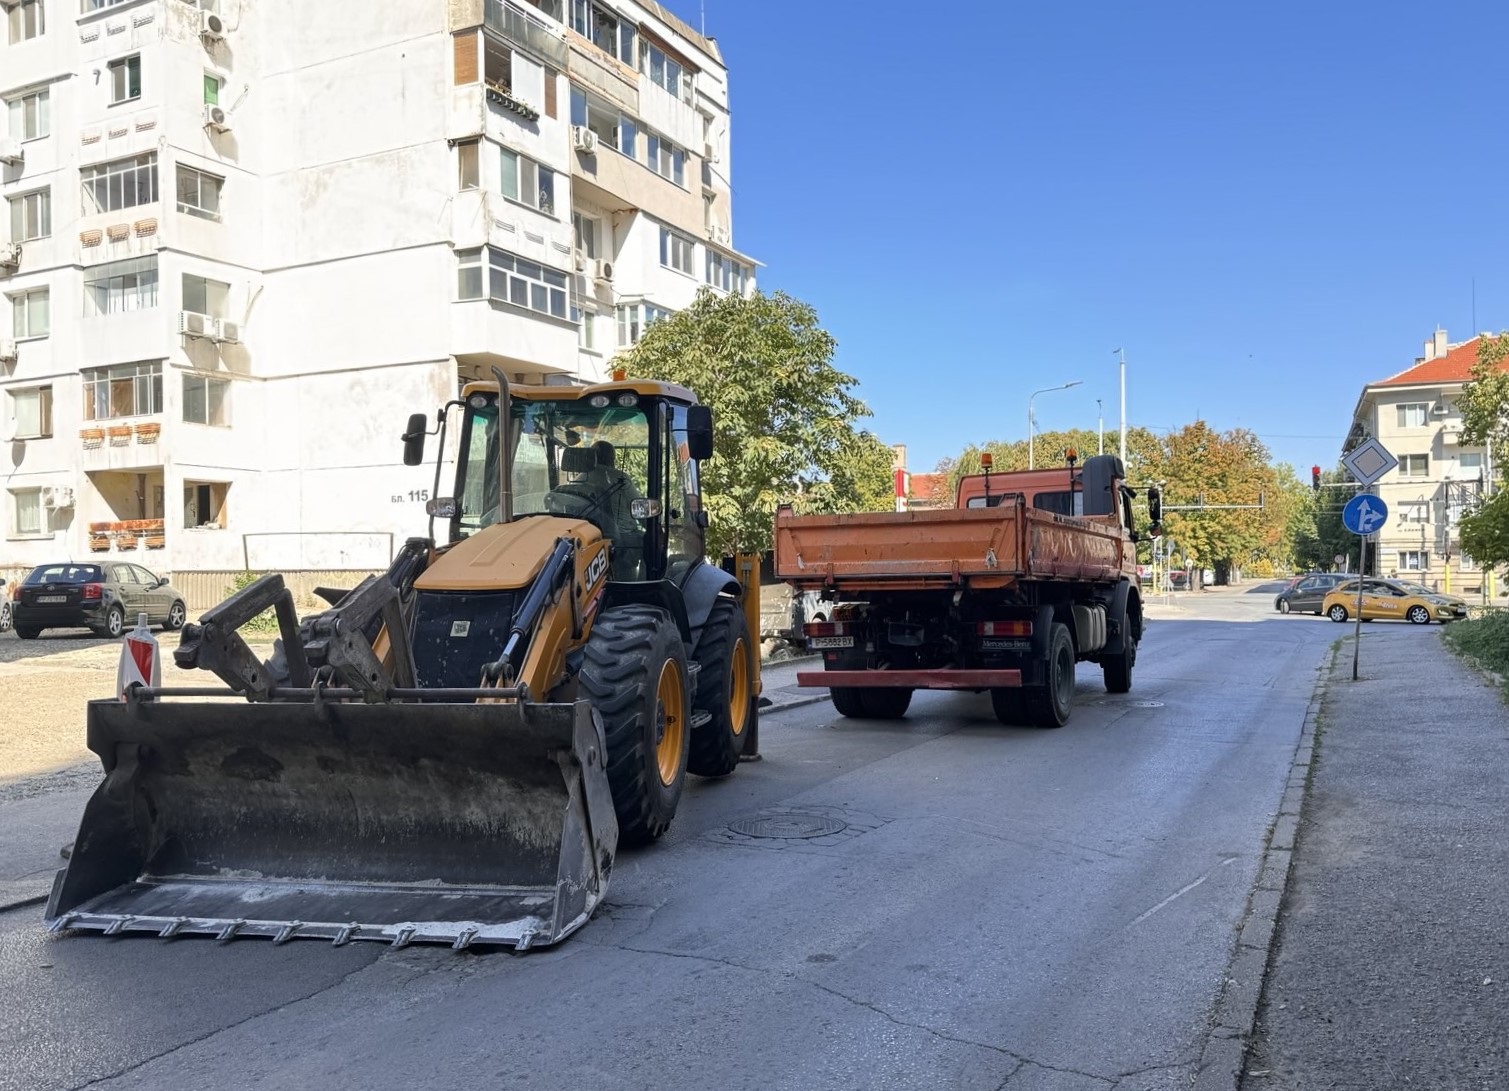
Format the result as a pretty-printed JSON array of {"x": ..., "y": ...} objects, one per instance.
[
  {"x": 1117, "y": 669},
  {"x": 1049, "y": 705},
  {"x": 725, "y": 688},
  {"x": 885, "y": 703},
  {"x": 849, "y": 702},
  {"x": 1007, "y": 703},
  {"x": 634, "y": 673}
]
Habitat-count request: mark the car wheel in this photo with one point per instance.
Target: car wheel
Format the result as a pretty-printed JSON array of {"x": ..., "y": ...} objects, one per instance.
[
  {"x": 115, "y": 621},
  {"x": 1283, "y": 607},
  {"x": 5, "y": 617},
  {"x": 176, "y": 615},
  {"x": 26, "y": 632},
  {"x": 1418, "y": 615},
  {"x": 1338, "y": 613}
]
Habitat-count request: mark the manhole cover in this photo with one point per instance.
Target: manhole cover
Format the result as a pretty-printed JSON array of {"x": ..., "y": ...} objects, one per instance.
[
  {"x": 1147, "y": 704},
  {"x": 788, "y": 825}
]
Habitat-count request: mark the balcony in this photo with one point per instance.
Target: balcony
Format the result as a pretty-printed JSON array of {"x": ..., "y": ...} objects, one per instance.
[{"x": 529, "y": 33}]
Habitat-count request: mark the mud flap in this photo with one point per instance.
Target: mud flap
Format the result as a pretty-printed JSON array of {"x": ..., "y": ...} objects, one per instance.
[{"x": 465, "y": 824}]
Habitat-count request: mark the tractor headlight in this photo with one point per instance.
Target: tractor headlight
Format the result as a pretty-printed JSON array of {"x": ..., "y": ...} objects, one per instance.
[
  {"x": 599, "y": 401},
  {"x": 628, "y": 399},
  {"x": 643, "y": 509}
]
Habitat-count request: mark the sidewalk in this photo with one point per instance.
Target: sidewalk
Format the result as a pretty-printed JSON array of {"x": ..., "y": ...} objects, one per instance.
[{"x": 1391, "y": 968}]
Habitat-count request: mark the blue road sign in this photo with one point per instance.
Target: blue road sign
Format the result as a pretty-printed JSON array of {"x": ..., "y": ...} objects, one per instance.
[{"x": 1364, "y": 514}]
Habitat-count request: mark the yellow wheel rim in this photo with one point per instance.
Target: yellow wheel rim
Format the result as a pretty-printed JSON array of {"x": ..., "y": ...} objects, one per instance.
[
  {"x": 738, "y": 687},
  {"x": 670, "y": 722}
]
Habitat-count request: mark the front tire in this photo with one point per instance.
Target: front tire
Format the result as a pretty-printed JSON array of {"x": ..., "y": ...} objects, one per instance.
[
  {"x": 725, "y": 687},
  {"x": 1418, "y": 615},
  {"x": 1283, "y": 607},
  {"x": 1338, "y": 613},
  {"x": 634, "y": 673},
  {"x": 1049, "y": 705},
  {"x": 115, "y": 622},
  {"x": 176, "y": 615}
]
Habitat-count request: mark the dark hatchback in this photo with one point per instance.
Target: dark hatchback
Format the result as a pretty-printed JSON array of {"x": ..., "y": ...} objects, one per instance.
[
  {"x": 104, "y": 597},
  {"x": 1306, "y": 594}
]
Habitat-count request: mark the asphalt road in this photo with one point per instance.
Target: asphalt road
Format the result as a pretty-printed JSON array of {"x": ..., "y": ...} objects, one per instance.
[{"x": 1001, "y": 907}]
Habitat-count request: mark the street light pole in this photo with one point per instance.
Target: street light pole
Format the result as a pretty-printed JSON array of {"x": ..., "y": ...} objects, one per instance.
[
  {"x": 1121, "y": 354},
  {"x": 1100, "y": 424},
  {"x": 1032, "y": 420}
]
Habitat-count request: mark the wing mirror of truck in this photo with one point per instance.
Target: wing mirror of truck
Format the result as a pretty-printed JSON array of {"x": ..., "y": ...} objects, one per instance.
[
  {"x": 413, "y": 439},
  {"x": 699, "y": 432},
  {"x": 1154, "y": 505}
]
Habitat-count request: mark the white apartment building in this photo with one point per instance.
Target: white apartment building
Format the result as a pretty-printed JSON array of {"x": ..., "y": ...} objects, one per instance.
[
  {"x": 243, "y": 239},
  {"x": 1415, "y": 415}
]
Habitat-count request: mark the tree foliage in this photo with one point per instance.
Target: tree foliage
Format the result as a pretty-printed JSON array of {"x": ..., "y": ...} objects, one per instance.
[
  {"x": 1485, "y": 400},
  {"x": 1485, "y": 532},
  {"x": 783, "y": 415}
]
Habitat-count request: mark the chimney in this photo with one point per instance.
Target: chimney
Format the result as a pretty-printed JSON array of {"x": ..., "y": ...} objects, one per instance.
[
  {"x": 1440, "y": 344},
  {"x": 1430, "y": 351}
]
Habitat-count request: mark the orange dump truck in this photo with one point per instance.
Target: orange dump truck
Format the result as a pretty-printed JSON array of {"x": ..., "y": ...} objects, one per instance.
[{"x": 1029, "y": 573}]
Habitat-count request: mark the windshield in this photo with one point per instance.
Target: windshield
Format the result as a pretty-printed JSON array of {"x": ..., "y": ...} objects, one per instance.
[{"x": 569, "y": 458}]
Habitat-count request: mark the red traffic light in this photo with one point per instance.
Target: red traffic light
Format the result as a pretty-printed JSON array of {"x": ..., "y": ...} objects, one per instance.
[{"x": 1315, "y": 478}]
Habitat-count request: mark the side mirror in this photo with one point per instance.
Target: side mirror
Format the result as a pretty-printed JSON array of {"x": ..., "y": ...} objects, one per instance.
[
  {"x": 442, "y": 507},
  {"x": 699, "y": 432},
  {"x": 413, "y": 439},
  {"x": 1154, "y": 505}
]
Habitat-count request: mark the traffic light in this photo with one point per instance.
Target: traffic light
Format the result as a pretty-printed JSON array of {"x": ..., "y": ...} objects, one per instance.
[{"x": 1315, "y": 478}]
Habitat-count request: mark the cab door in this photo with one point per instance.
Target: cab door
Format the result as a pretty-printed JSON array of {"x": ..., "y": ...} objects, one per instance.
[{"x": 1379, "y": 600}]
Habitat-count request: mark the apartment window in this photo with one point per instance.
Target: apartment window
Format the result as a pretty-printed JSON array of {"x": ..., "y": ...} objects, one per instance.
[
  {"x": 665, "y": 72},
  {"x": 1470, "y": 464},
  {"x": 31, "y": 216},
  {"x": 635, "y": 318},
  {"x": 29, "y": 314},
  {"x": 469, "y": 165},
  {"x": 1413, "y": 414},
  {"x": 1414, "y": 511},
  {"x": 1414, "y": 560},
  {"x": 613, "y": 129},
  {"x": 121, "y": 286},
  {"x": 32, "y": 410},
  {"x": 605, "y": 30},
  {"x": 204, "y": 399},
  {"x": 1414, "y": 465},
  {"x": 204, "y": 296},
  {"x": 497, "y": 66},
  {"x": 27, "y": 20},
  {"x": 665, "y": 158},
  {"x": 212, "y": 86},
  {"x": 101, "y": 5},
  {"x": 123, "y": 390},
  {"x": 199, "y": 193},
  {"x": 29, "y": 519},
  {"x": 1466, "y": 563},
  {"x": 527, "y": 182},
  {"x": 125, "y": 79},
  {"x": 29, "y": 117},
  {"x": 725, "y": 273},
  {"x": 121, "y": 183},
  {"x": 551, "y": 8},
  {"x": 588, "y": 330},
  {"x": 204, "y": 504},
  {"x": 676, "y": 251},
  {"x": 513, "y": 280},
  {"x": 586, "y": 234}
]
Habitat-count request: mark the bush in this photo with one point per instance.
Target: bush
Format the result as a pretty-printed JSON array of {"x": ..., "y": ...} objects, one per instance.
[
  {"x": 1484, "y": 640},
  {"x": 267, "y": 620}
]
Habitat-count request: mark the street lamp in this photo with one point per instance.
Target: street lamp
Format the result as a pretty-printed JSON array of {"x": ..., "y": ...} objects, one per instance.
[
  {"x": 1100, "y": 425},
  {"x": 1121, "y": 354},
  {"x": 1032, "y": 419}
]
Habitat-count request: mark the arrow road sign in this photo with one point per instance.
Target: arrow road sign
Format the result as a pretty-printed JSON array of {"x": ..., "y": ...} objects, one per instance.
[
  {"x": 1369, "y": 461},
  {"x": 1364, "y": 514}
]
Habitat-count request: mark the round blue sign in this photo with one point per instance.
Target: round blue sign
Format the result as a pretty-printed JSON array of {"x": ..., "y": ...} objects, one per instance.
[{"x": 1364, "y": 514}]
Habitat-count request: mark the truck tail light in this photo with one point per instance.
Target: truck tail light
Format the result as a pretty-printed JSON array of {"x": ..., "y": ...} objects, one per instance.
[
  {"x": 1004, "y": 628},
  {"x": 825, "y": 628},
  {"x": 92, "y": 591}
]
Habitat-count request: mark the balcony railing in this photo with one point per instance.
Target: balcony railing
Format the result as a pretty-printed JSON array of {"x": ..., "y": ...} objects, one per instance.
[{"x": 526, "y": 31}]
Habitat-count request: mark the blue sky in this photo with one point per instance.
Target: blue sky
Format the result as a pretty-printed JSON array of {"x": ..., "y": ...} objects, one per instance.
[{"x": 1265, "y": 204}]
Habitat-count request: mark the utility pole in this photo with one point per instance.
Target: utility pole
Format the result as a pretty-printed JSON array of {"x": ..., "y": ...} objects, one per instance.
[
  {"x": 1121, "y": 353},
  {"x": 1100, "y": 424},
  {"x": 1032, "y": 420}
]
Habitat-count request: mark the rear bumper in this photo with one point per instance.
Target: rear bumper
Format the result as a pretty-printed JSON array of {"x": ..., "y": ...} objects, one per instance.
[
  {"x": 925, "y": 679},
  {"x": 57, "y": 617}
]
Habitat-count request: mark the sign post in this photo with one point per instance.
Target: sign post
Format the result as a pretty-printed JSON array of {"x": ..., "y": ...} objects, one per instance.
[{"x": 1363, "y": 515}]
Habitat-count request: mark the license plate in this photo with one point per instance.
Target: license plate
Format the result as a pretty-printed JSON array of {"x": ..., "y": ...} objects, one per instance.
[
  {"x": 830, "y": 642},
  {"x": 52, "y": 598},
  {"x": 1004, "y": 644}
]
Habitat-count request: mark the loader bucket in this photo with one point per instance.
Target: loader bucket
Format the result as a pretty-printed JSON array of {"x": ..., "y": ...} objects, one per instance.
[{"x": 465, "y": 823}]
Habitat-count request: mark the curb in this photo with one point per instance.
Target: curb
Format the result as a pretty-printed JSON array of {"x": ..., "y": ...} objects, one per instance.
[{"x": 1235, "y": 1016}]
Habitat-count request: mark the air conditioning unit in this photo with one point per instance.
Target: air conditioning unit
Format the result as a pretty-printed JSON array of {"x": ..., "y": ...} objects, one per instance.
[
  {"x": 211, "y": 26},
  {"x": 227, "y": 331},
  {"x": 7, "y": 352},
  {"x": 10, "y": 255},
  {"x": 1440, "y": 409},
  {"x": 583, "y": 139},
  {"x": 10, "y": 151},
  {"x": 216, "y": 118},
  {"x": 195, "y": 325},
  {"x": 60, "y": 496},
  {"x": 710, "y": 153},
  {"x": 605, "y": 270},
  {"x": 720, "y": 234},
  {"x": 581, "y": 263}
]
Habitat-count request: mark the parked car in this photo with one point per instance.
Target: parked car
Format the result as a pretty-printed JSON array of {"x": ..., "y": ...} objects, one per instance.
[
  {"x": 104, "y": 597},
  {"x": 1307, "y": 593},
  {"x": 1391, "y": 599}
]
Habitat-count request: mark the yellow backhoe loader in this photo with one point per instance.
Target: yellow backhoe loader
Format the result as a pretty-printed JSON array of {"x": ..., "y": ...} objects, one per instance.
[{"x": 453, "y": 752}]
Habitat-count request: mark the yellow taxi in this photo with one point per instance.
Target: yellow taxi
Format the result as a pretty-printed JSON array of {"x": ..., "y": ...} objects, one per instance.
[{"x": 1391, "y": 599}]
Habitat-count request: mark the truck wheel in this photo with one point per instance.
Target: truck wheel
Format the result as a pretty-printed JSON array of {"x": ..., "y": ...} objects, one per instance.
[
  {"x": 885, "y": 703},
  {"x": 848, "y": 702},
  {"x": 1050, "y": 705},
  {"x": 1006, "y": 701},
  {"x": 1117, "y": 669},
  {"x": 634, "y": 673},
  {"x": 725, "y": 687}
]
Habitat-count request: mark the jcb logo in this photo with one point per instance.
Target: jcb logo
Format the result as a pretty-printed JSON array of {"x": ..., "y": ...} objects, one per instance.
[{"x": 596, "y": 566}]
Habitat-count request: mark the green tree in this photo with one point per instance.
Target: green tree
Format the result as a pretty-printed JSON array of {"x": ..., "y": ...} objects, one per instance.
[
  {"x": 1485, "y": 400},
  {"x": 784, "y": 416}
]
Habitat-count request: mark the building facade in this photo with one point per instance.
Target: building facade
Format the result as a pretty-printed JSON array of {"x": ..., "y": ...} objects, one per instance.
[
  {"x": 1416, "y": 416},
  {"x": 243, "y": 239}
]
